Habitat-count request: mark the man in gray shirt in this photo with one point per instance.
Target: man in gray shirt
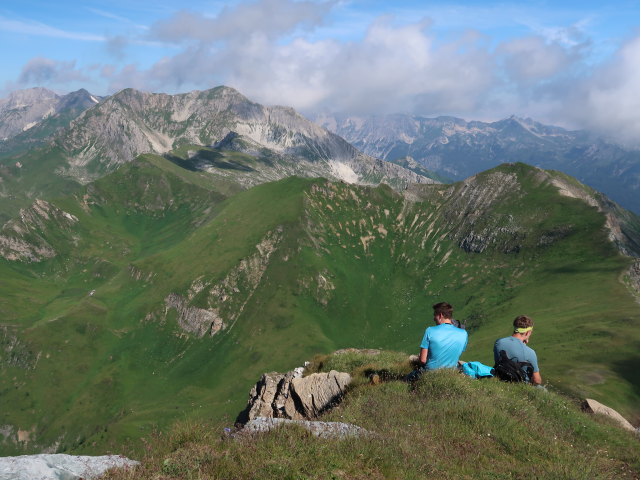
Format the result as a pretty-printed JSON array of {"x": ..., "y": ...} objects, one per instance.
[{"x": 516, "y": 346}]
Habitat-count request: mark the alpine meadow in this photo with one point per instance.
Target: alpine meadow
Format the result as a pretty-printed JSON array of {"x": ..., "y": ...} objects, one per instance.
[{"x": 159, "y": 253}]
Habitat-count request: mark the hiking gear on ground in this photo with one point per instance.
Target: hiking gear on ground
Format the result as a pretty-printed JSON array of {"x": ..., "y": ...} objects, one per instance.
[
  {"x": 477, "y": 370},
  {"x": 511, "y": 371}
]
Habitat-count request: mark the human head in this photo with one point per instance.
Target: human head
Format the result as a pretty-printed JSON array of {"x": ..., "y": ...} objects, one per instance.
[
  {"x": 444, "y": 309},
  {"x": 522, "y": 325}
]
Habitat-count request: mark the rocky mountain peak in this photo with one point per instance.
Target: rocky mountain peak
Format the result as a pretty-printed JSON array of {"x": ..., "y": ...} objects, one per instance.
[
  {"x": 132, "y": 122},
  {"x": 25, "y": 108},
  {"x": 28, "y": 97},
  {"x": 456, "y": 149}
]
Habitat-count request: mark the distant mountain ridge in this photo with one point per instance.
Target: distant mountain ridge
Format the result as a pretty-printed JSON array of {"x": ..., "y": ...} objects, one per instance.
[
  {"x": 218, "y": 130},
  {"x": 24, "y": 109},
  {"x": 456, "y": 148},
  {"x": 132, "y": 122}
]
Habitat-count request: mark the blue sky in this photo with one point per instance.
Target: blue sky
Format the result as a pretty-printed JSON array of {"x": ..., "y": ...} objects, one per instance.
[{"x": 571, "y": 63}]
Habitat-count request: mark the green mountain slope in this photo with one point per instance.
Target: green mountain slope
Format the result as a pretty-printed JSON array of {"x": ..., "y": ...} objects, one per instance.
[
  {"x": 446, "y": 426},
  {"x": 160, "y": 293}
]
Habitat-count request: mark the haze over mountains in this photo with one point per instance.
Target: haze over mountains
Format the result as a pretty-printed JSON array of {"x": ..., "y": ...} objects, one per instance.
[
  {"x": 143, "y": 287},
  {"x": 456, "y": 148},
  {"x": 443, "y": 147}
]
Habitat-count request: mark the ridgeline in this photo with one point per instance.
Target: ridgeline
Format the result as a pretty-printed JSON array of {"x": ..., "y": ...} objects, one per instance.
[{"x": 446, "y": 426}]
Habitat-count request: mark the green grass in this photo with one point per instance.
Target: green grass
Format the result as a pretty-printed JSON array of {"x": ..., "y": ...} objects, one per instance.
[
  {"x": 445, "y": 426},
  {"x": 348, "y": 266}
]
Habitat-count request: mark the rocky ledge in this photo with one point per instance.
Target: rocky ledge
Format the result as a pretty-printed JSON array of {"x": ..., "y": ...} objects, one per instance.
[
  {"x": 318, "y": 429},
  {"x": 59, "y": 466}
]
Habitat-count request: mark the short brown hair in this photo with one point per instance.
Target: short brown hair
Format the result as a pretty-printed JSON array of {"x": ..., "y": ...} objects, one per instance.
[
  {"x": 444, "y": 309},
  {"x": 522, "y": 321}
]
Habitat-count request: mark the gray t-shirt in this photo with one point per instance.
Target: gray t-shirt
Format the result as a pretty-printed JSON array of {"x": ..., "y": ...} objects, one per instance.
[{"x": 516, "y": 351}]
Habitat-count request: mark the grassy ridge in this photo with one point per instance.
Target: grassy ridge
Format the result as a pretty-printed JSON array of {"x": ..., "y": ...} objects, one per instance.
[
  {"x": 445, "y": 426},
  {"x": 292, "y": 268}
]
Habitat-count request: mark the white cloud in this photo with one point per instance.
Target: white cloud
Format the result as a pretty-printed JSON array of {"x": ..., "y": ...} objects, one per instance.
[
  {"x": 269, "y": 18},
  {"x": 271, "y": 51},
  {"x": 115, "y": 17},
  {"x": 41, "y": 29},
  {"x": 45, "y": 71},
  {"x": 531, "y": 58},
  {"x": 393, "y": 68},
  {"x": 609, "y": 100}
]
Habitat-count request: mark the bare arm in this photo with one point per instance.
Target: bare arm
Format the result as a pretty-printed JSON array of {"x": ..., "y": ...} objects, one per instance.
[
  {"x": 423, "y": 356},
  {"x": 536, "y": 379}
]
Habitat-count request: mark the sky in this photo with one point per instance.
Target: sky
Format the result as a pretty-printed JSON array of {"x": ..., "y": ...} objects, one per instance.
[{"x": 570, "y": 63}]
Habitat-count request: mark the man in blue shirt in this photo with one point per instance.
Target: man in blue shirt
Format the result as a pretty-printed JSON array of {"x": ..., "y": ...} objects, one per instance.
[
  {"x": 441, "y": 345},
  {"x": 517, "y": 349}
]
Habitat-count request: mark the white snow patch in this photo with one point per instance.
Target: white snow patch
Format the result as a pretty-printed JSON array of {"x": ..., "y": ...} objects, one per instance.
[
  {"x": 28, "y": 126},
  {"x": 343, "y": 171}
]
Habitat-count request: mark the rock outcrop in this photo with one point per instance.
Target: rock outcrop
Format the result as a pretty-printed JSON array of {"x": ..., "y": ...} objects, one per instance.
[
  {"x": 59, "y": 466},
  {"x": 26, "y": 238},
  {"x": 195, "y": 320},
  {"x": 291, "y": 396},
  {"x": 317, "y": 392},
  {"x": 318, "y": 429},
  {"x": 593, "y": 406},
  {"x": 226, "y": 298}
]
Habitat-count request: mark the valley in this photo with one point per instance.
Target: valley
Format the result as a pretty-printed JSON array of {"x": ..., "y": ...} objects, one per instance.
[{"x": 160, "y": 292}]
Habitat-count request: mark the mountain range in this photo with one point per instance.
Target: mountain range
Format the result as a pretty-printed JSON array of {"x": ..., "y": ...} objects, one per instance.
[
  {"x": 29, "y": 117},
  {"x": 218, "y": 129},
  {"x": 456, "y": 148},
  {"x": 139, "y": 288}
]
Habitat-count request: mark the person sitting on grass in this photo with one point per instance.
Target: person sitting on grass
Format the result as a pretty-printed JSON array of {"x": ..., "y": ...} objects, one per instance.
[
  {"x": 442, "y": 344},
  {"x": 517, "y": 350}
]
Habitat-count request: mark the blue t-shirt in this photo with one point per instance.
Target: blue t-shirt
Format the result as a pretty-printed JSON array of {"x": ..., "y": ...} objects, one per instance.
[
  {"x": 516, "y": 351},
  {"x": 445, "y": 344}
]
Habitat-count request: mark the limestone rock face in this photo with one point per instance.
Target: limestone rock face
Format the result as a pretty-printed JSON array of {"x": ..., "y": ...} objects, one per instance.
[
  {"x": 290, "y": 396},
  {"x": 59, "y": 466},
  {"x": 132, "y": 122},
  {"x": 25, "y": 237},
  {"x": 592, "y": 406}
]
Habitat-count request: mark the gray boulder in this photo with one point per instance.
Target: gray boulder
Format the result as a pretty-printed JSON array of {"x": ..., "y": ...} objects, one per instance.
[
  {"x": 59, "y": 466},
  {"x": 291, "y": 396},
  {"x": 593, "y": 406}
]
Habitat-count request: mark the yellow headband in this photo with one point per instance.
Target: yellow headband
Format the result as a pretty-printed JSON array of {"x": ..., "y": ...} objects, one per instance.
[{"x": 523, "y": 330}]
